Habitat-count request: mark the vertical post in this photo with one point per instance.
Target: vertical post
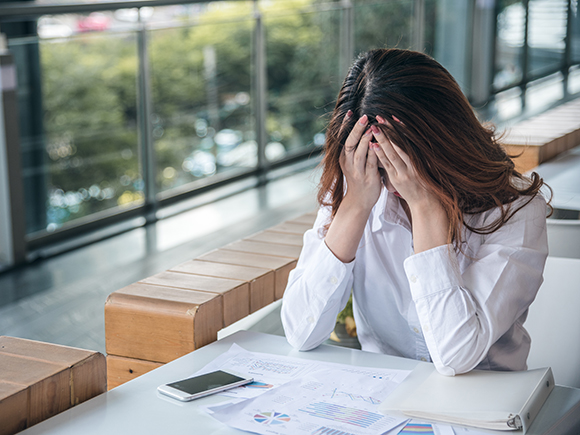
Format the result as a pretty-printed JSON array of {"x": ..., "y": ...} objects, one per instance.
[
  {"x": 419, "y": 25},
  {"x": 261, "y": 92},
  {"x": 346, "y": 37},
  {"x": 525, "y": 54},
  {"x": 147, "y": 155},
  {"x": 12, "y": 211},
  {"x": 484, "y": 22},
  {"x": 567, "y": 61},
  {"x": 453, "y": 39},
  {"x": 210, "y": 76}
]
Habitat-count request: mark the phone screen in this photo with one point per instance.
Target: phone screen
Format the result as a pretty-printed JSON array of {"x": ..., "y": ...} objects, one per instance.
[{"x": 205, "y": 382}]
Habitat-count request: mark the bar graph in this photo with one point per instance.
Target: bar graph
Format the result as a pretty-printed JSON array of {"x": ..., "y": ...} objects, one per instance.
[
  {"x": 329, "y": 431},
  {"x": 342, "y": 414},
  {"x": 417, "y": 429}
]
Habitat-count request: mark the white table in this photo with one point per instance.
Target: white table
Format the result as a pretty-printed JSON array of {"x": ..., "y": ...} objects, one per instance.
[{"x": 137, "y": 408}]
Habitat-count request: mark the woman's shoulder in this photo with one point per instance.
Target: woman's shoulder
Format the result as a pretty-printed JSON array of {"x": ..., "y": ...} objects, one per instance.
[{"x": 523, "y": 208}]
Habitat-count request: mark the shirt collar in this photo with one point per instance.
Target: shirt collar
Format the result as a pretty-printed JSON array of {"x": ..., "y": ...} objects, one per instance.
[{"x": 388, "y": 209}]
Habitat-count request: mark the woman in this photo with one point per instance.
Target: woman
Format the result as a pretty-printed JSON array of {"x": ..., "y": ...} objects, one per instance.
[{"x": 424, "y": 217}]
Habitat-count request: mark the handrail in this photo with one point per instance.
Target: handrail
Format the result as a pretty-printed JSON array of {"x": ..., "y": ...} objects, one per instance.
[{"x": 24, "y": 10}]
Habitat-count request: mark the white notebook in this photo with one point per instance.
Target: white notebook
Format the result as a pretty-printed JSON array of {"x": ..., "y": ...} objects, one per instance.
[{"x": 480, "y": 398}]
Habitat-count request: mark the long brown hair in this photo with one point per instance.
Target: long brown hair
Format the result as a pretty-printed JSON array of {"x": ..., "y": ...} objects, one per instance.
[{"x": 453, "y": 153}]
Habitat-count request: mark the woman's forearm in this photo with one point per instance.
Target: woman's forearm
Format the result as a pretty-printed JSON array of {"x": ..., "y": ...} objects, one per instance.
[
  {"x": 430, "y": 225},
  {"x": 346, "y": 229}
]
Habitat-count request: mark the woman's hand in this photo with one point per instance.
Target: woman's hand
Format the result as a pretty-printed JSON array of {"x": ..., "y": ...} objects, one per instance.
[
  {"x": 428, "y": 217},
  {"x": 360, "y": 167},
  {"x": 400, "y": 170}
]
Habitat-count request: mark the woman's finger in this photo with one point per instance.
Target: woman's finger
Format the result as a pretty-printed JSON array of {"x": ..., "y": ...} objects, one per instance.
[
  {"x": 345, "y": 122},
  {"x": 356, "y": 133},
  {"x": 372, "y": 159},
  {"x": 403, "y": 155},
  {"x": 387, "y": 146},
  {"x": 362, "y": 151},
  {"x": 385, "y": 162}
]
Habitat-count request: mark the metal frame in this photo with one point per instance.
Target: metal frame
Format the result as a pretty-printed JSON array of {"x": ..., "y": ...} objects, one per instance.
[
  {"x": 13, "y": 12},
  {"x": 528, "y": 78}
]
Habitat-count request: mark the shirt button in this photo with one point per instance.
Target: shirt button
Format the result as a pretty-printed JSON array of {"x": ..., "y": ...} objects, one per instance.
[
  {"x": 413, "y": 279},
  {"x": 416, "y": 330},
  {"x": 334, "y": 280},
  {"x": 310, "y": 319}
]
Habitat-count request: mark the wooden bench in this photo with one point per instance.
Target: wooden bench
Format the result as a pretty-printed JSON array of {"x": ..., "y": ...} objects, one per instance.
[
  {"x": 172, "y": 313},
  {"x": 544, "y": 136},
  {"x": 39, "y": 380}
]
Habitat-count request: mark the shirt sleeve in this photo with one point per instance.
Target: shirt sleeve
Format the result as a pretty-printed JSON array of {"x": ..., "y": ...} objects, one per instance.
[
  {"x": 463, "y": 314},
  {"x": 318, "y": 289}
]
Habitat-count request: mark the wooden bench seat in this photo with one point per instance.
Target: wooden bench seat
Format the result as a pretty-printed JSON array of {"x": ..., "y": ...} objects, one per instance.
[
  {"x": 172, "y": 313},
  {"x": 39, "y": 380},
  {"x": 544, "y": 136}
]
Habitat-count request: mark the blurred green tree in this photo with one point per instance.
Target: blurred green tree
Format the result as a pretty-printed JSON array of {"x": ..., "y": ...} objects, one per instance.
[{"x": 201, "y": 80}]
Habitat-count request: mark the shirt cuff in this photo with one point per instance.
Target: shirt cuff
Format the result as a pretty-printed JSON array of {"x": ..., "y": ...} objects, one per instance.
[
  {"x": 329, "y": 273},
  {"x": 433, "y": 271}
]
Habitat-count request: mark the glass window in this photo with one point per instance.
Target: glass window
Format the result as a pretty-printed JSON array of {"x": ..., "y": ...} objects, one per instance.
[
  {"x": 546, "y": 36},
  {"x": 78, "y": 122},
  {"x": 511, "y": 22},
  {"x": 383, "y": 24},
  {"x": 202, "y": 121},
  {"x": 302, "y": 51},
  {"x": 575, "y": 31}
]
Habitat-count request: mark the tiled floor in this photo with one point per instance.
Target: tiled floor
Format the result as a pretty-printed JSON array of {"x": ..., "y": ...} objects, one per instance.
[{"x": 61, "y": 299}]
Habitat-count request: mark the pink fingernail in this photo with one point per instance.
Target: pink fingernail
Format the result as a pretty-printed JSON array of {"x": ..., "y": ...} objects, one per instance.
[
  {"x": 375, "y": 129},
  {"x": 363, "y": 120},
  {"x": 381, "y": 119},
  {"x": 396, "y": 119},
  {"x": 348, "y": 114},
  {"x": 367, "y": 132}
]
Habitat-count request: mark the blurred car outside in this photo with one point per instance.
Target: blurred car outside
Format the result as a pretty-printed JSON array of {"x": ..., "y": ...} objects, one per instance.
[{"x": 94, "y": 22}]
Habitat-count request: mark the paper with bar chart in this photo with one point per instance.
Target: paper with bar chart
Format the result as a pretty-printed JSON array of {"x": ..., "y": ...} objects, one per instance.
[{"x": 336, "y": 399}]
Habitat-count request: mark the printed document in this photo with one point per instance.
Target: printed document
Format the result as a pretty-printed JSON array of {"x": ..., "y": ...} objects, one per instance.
[{"x": 297, "y": 396}]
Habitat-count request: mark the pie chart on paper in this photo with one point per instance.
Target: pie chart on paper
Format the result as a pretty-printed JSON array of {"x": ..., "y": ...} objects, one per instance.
[{"x": 271, "y": 418}]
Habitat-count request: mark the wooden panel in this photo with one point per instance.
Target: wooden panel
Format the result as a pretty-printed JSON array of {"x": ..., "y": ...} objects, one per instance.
[
  {"x": 160, "y": 324},
  {"x": 291, "y": 227},
  {"x": 280, "y": 265},
  {"x": 121, "y": 370},
  {"x": 88, "y": 378},
  {"x": 526, "y": 157},
  {"x": 49, "y": 397},
  {"x": 13, "y": 408},
  {"x": 307, "y": 218},
  {"x": 282, "y": 279},
  {"x": 265, "y": 248},
  {"x": 49, "y": 384},
  {"x": 260, "y": 280},
  {"x": 88, "y": 368},
  {"x": 55, "y": 353},
  {"x": 245, "y": 259},
  {"x": 275, "y": 237},
  {"x": 235, "y": 293},
  {"x": 544, "y": 136},
  {"x": 221, "y": 270}
]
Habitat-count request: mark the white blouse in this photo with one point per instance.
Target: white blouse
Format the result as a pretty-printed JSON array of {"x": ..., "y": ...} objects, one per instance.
[{"x": 460, "y": 311}]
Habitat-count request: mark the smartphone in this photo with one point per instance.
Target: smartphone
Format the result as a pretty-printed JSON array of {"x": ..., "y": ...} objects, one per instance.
[{"x": 203, "y": 385}]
